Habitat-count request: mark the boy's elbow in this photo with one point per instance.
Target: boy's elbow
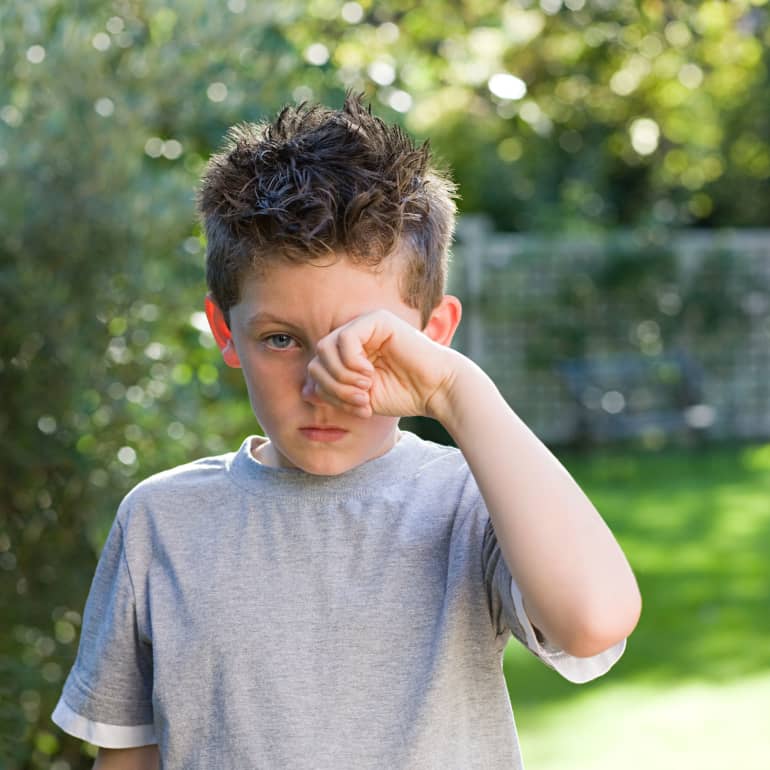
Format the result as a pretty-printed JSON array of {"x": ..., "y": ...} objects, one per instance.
[{"x": 601, "y": 629}]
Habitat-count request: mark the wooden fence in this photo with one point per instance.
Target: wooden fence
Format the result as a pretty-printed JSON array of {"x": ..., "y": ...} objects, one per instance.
[{"x": 649, "y": 334}]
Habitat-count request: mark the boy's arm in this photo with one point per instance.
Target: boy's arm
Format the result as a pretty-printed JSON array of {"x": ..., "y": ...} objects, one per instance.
[
  {"x": 577, "y": 586},
  {"x": 141, "y": 758}
]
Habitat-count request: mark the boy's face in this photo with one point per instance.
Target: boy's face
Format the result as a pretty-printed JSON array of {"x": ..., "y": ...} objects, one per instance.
[{"x": 282, "y": 315}]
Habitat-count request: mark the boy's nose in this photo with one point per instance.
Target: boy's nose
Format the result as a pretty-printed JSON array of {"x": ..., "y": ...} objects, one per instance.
[{"x": 309, "y": 392}]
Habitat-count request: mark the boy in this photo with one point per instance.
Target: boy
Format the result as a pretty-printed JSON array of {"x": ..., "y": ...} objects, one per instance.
[{"x": 338, "y": 594}]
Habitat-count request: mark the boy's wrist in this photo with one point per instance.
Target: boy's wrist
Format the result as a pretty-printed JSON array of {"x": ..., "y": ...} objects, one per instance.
[{"x": 464, "y": 386}]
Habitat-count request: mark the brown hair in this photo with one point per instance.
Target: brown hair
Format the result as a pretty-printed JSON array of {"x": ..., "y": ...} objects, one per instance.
[{"x": 318, "y": 181}]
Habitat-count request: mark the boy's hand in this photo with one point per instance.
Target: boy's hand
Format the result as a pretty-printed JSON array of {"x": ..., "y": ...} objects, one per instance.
[{"x": 380, "y": 364}]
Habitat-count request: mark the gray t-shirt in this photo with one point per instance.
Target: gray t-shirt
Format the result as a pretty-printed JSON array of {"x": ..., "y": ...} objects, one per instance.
[{"x": 243, "y": 616}]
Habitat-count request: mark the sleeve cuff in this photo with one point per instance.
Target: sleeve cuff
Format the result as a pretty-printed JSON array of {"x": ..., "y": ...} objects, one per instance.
[
  {"x": 101, "y": 734},
  {"x": 575, "y": 670}
]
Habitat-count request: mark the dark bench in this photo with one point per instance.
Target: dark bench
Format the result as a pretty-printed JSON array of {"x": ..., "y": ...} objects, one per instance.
[{"x": 630, "y": 395}]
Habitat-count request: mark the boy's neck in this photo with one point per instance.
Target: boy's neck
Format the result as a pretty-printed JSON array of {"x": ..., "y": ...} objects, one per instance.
[{"x": 263, "y": 451}]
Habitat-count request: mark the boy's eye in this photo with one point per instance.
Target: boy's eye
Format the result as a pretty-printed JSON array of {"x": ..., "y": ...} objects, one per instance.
[{"x": 279, "y": 341}]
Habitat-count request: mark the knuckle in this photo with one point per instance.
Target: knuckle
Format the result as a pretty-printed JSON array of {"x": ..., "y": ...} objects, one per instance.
[{"x": 314, "y": 368}]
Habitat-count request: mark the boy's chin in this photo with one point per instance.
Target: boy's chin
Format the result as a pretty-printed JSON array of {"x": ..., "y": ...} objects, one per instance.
[
  {"x": 326, "y": 466},
  {"x": 332, "y": 459},
  {"x": 318, "y": 462}
]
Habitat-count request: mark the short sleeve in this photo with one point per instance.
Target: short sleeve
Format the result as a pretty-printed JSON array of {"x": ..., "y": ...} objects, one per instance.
[
  {"x": 107, "y": 698},
  {"x": 507, "y": 613}
]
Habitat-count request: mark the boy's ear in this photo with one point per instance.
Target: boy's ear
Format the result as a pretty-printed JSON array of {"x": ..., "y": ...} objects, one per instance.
[
  {"x": 221, "y": 332},
  {"x": 444, "y": 319}
]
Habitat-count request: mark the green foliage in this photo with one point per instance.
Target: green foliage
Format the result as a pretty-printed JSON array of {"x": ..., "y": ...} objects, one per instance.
[
  {"x": 653, "y": 306},
  {"x": 633, "y": 112}
]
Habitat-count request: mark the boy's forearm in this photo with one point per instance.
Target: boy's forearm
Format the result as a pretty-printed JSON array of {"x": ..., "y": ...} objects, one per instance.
[
  {"x": 577, "y": 586},
  {"x": 140, "y": 758}
]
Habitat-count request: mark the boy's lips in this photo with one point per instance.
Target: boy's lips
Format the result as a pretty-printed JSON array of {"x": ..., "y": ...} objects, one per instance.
[{"x": 323, "y": 432}]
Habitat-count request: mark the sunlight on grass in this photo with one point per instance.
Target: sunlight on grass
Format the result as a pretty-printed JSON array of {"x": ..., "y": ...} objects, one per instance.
[
  {"x": 638, "y": 727},
  {"x": 692, "y": 691},
  {"x": 757, "y": 458},
  {"x": 696, "y": 528}
]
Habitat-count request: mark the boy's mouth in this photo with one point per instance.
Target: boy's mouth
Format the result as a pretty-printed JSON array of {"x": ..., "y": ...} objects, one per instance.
[{"x": 323, "y": 432}]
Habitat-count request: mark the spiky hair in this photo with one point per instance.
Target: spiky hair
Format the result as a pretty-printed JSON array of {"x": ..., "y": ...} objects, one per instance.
[{"x": 318, "y": 182}]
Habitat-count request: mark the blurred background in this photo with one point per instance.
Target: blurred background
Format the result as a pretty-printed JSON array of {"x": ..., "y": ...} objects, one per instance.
[{"x": 612, "y": 255}]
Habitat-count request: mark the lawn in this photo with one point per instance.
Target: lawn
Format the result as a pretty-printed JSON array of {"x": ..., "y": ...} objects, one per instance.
[{"x": 693, "y": 688}]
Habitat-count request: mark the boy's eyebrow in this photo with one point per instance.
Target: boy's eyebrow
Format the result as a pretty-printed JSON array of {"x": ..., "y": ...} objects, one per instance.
[{"x": 262, "y": 317}]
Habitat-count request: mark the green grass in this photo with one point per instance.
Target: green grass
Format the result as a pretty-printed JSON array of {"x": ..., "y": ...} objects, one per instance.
[
  {"x": 693, "y": 688},
  {"x": 666, "y": 727}
]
